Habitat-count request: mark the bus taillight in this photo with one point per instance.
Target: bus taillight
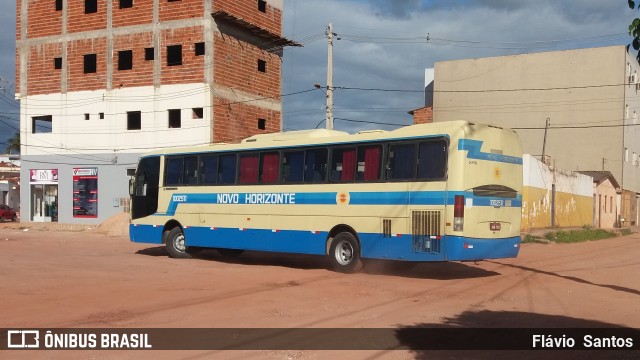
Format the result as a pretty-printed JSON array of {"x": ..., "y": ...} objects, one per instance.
[{"x": 458, "y": 213}]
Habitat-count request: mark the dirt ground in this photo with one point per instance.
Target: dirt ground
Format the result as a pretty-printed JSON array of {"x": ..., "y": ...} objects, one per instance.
[{"x": 62, "y": 279}]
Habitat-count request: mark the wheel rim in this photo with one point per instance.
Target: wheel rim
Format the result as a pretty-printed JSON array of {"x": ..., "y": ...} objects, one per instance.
[
  {"x": 344, "y": 253},
  {"x": 178, "y": 243}
]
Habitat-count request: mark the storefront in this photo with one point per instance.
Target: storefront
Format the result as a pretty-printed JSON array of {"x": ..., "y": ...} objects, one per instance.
[{"x": 44, "y": 195}]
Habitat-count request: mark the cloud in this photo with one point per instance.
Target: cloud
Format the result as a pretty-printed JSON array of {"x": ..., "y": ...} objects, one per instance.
[{"x": 383, "y": 47}]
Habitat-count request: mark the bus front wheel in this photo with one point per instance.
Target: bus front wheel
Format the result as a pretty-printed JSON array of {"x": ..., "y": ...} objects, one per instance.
[
  {"x": 175, "y": 244},
  {"x": 345, "y": 253}
]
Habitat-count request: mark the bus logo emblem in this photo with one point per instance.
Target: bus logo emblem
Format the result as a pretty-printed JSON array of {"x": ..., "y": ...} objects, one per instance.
[{"x": 342, "y": 198}]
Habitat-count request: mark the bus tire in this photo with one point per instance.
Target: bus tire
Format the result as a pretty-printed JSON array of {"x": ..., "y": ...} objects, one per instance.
[
  {"x": 344, "y": 253},
  {"x": 230, "y": 253},
  {"x": 175, "y": 244}
]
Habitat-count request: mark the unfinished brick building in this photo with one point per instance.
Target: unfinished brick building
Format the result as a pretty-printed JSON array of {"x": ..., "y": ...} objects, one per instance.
[{"x": 102, "y": 81}]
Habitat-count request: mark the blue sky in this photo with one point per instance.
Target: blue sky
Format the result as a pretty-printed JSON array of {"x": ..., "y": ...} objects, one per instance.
[{"x": 383, "y": 46}]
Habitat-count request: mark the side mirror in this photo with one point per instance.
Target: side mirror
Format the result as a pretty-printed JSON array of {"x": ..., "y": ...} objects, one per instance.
[{"x": 131, "y": 187}]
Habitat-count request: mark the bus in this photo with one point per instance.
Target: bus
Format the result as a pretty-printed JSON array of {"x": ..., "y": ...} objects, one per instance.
[{"x": 449, "y": 191}]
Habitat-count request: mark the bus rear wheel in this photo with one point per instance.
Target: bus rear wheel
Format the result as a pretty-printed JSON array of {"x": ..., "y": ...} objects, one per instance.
[
  {"x": 175, "y": 244},
  {"x": 344, "y": 253}
]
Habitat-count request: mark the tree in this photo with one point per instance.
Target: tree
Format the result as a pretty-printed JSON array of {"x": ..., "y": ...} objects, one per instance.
[
  {"x": 634, "y": 30},
  {"x": 14, "y": 143}
]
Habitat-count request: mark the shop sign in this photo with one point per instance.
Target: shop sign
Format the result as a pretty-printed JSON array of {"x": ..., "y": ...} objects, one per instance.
[
  {"x": 43, "y": 176},
  {"x": 85, "y": 192}
]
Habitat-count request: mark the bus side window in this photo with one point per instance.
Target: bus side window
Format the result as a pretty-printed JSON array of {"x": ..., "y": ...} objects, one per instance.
[
  {"x": 208, "y": 169},
  {"x": 293, "y": 166},
  {"x": 315, "y": 167},
  {"x": 173, "y": 175},
  {"x": 432, "y": 160},
  {"x": 269, "y": 167},
  {"x": 343, "y": 165},
  {"x": 190, "y": 170},
  {"x": 227, "y": 171},
  {"x": 369, "y": 163},
  {"x": 402, "y": 162},
  {"x": 248, "y": 169}
]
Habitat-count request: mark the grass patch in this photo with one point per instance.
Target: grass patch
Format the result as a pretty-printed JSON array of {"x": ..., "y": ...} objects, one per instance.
[
  {"x": 575, "y": 236},
  {"x": 529, "y": 239}
]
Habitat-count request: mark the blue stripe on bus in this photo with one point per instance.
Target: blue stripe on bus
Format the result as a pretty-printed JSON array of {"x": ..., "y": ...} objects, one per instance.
[
  {"x": 373, "y": 245},
  {"x": 473, "y": 152},
  {"x": 355, "y": 198}
]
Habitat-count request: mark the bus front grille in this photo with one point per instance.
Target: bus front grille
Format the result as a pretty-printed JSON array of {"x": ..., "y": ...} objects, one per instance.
[{"x": 426, "y": 230}]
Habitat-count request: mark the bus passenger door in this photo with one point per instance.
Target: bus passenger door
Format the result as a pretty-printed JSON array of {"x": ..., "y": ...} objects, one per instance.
[{"x": 428, "y": 201}]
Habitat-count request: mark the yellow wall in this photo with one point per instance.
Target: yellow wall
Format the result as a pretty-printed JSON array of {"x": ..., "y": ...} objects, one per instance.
[{"x": 570, "y": 209}]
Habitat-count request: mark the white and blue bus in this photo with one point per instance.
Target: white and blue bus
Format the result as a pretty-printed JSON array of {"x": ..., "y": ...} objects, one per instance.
[{"x": 432, "y": 192}]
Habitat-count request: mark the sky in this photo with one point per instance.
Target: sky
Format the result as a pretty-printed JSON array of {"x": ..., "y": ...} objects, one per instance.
[{"x": 386, "y": 45}]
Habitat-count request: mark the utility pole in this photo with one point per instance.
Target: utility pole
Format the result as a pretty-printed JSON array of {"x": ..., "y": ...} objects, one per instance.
[
  {"x": 544, "y": 142},
  {"x": 329, "y": 119}
]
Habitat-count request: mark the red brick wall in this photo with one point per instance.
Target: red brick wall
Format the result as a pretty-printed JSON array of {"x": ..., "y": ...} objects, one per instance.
[
  {"x": 17, "y": 71},
  {"x": 142, "y": 72},
  {"x": 234, "y": 122},
  {"x": 77, "y": 20},
  {"x": 180, "y": 10},
  {"x": 423, "y": 115},
  {"x": 43, "y": 78},
  {"x": 43, "y": 19},
  {"x": 192, "y": 68},
  {"x": 18, "y": 13},
  {"x": 77, "y": 79},
  {"x": 140, "y": 13},
  {"x": 236, "y": 66},
  {"x": 248, "y": 11}
]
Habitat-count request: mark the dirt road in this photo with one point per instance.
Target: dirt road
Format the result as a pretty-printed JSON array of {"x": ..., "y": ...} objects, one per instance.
[{"x": 84, "y": 279}]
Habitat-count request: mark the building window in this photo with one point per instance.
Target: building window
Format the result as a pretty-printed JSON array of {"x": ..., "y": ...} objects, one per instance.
[
  {"x": 57, "y": 63},
  {"x": 174, "y": 55},
  {"x": 262, "y": 124},
  {"x": 87, "y": 116},
  {"x": 126, "y": 4},
  {"x": 199, "y": 48},
  {"x": 262, "y": 65},
  {"x": 131, "y": 172},
  {"x": 90, "y": 6},
  {"x": 90, "y": 63},
  {"x": 198, "y": 113},
  {"x": 125, "y": 60},
  {"x": 58, "y": 5},
  {"x": 101, "y": 116},
  {"x": 149, "y": 54},
  {"x": 262, "y": 6},
  {"x": 41, "y": 124},
  {"x": 134, "y": 120},
  {"x": 174, "y": 118}
]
